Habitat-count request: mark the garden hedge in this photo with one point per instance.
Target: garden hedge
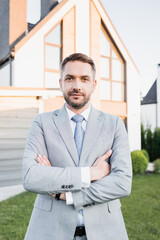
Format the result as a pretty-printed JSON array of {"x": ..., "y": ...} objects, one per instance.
[{"x": 139, "y": 162}]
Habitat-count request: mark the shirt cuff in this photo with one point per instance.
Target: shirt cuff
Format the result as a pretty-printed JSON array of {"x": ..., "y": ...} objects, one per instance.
[
  {"x": 69, "y": 198},
  {"x": 85, "y": 177}
]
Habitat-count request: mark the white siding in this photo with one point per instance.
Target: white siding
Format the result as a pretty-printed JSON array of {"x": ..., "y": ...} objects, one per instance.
[
  {"x": 149, "y": 115},
  {"x": 29, "y": 59},
  {"x": 133, "y": 85},
  {"x": 82, "y": 26},
  {"x": 133, "y": 107},
  {"x": 5, "y": 75}
]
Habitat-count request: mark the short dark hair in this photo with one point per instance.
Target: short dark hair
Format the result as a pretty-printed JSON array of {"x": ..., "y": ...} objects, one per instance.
[{"x": 79, "y": 57}]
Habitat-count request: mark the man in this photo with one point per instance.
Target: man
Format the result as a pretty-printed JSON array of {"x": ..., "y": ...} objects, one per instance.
[{"x": 66, "y": 161}]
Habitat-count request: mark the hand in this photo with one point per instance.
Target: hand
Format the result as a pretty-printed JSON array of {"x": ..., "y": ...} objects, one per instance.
[
  {"x": 100, "y": 168},
  {"x": 42, "y": 160},
  {"x": 63, "y": 196}
]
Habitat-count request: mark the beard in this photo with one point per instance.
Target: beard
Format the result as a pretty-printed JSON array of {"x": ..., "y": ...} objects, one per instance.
[{"x": 79, "y": 103}]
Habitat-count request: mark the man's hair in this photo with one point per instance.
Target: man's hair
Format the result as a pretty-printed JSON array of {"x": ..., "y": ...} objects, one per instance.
[{"x": 79, "y": 57}]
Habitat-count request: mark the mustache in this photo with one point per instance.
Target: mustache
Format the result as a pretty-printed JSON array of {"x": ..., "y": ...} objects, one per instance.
[{"x": 76, "y": 91}]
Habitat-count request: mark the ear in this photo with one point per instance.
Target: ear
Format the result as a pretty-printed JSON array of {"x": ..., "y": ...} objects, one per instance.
[{"x": 94, "y": 85}]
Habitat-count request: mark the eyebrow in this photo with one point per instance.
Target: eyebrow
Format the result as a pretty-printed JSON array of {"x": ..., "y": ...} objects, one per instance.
[{"x": 73, "y": 76}]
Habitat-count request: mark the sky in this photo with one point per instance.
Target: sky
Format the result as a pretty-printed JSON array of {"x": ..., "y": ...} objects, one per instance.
[{"x": 137, "y": 23}]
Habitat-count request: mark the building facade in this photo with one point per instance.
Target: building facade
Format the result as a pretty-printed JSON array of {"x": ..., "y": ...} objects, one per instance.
[{"x": 31, "y": 80}]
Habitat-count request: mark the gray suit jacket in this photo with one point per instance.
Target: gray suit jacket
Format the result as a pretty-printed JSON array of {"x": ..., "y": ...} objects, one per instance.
[{"x": 51, "y": 135}]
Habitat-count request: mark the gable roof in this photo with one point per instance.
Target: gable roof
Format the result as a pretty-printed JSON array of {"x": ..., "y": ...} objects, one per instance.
[{"x": 151, "y": 96}]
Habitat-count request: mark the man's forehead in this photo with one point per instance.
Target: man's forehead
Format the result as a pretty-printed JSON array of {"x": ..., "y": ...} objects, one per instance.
[{"x": 77, "y": 67}]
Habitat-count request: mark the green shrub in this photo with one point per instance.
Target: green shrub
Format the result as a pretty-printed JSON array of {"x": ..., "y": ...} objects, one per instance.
[
  {"x": 150, "y": 141},
  {"x": 139, "y": 162},
  {"x": 145, "y": 154},
  {"x": 157, "y": 165}
]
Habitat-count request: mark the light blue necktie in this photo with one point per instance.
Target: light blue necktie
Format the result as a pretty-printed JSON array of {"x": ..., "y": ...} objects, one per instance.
[
  {"x": 78, "y": 137},
  {"x": 78, "y": 133}
]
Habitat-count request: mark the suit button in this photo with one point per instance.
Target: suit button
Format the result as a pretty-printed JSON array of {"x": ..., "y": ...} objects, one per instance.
[{"x": 63, "y": 186}]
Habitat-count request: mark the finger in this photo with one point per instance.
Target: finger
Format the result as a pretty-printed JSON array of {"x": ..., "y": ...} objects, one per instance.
[
  {"x": 39, "y": 159},
  {"x": 46, "y": 160},
  {"x": 43, "y": 161},
  {"x": 107, "y": 155}
]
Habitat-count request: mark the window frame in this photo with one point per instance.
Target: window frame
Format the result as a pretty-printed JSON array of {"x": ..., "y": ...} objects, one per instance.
[
  {"x": 53, "y": 45},
  {"x": 123, "y": 67}
]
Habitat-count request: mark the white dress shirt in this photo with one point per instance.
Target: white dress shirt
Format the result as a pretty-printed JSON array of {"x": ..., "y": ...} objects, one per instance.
[{"x": 85, "y": 171}]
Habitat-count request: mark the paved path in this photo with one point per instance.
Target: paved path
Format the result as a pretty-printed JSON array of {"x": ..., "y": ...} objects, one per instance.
[{"x": 7, "y": 192}]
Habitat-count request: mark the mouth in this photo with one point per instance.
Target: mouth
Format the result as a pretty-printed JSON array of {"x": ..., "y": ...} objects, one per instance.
[{"x": 76, "y": 95}]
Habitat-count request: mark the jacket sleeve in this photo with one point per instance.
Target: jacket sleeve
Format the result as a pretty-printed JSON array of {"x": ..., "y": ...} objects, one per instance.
[
  {"x": 118, "y": 183},
  {"x": 45, "y": 179}
]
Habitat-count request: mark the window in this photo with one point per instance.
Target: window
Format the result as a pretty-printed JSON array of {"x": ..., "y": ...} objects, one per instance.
[
  {"x": 53, "y": 57},
  {"x": 111, "y": 70}
]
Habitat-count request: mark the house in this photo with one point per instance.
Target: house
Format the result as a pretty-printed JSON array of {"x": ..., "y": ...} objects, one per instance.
[
  {"x": 150, "y": 105},
  {"x": 30, "y": 56}
]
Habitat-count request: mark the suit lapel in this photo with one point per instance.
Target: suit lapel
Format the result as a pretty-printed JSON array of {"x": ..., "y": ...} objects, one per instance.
[
  {"x": 63, "y": 125},
  {"x": 94, "y": 126}
]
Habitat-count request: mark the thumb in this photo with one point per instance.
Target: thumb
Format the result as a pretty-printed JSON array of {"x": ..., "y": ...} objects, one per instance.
[{"x": 108, "y": 154}]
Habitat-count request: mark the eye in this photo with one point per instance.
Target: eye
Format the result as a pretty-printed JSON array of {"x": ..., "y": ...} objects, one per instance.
[
  {"x": 68, "y": 78},
  {"x": 85, "y": 79}
]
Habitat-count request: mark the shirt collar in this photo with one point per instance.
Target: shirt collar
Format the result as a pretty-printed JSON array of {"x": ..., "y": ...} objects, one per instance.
[{"x": 85, "y": 113}]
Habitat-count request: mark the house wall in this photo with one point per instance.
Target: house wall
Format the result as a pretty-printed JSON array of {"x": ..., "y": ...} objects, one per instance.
[
  {"x": 31, "y": 67},
  {"x": 82, "y": 27},
  {"x": 149, "y": 115},
  {"x": 17, "y": 19},
  {"x": 69, "y": 38},
  {"x": 84, "y": 36},
  {"x": 5, "y": 75},
  {"x": 133, "y": 107},
  {"x": 95, "y": 29}
]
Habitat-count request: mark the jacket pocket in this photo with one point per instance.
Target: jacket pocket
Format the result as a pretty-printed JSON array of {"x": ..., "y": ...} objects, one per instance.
[
  {"x": 113, "y": 205},
  {"x": 43, "y": 202}
]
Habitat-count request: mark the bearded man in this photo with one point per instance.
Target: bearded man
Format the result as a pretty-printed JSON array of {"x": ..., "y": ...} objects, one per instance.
[{"x": 78, "y": 161}]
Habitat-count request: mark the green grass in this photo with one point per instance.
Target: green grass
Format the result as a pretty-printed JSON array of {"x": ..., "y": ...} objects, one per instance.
[
  {"x": 14, "y": 216},
  {"x": 141, "y": 211}
]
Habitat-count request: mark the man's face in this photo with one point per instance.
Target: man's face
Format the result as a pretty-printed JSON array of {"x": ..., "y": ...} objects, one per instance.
[{"x": 77, "y": 84}]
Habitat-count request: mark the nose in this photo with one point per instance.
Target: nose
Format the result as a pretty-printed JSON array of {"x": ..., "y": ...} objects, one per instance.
[{"x": 77, "y": 84}]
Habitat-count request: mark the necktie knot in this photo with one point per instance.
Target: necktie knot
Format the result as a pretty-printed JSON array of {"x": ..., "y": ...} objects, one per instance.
[{"x": 78, "y": 118}]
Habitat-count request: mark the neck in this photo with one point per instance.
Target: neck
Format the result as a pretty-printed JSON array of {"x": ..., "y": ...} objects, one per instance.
[{"x": 78, "y": 111}]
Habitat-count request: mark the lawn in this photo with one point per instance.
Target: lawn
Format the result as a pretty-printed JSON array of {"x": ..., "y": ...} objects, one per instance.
[{"x": 141, "y": 211}]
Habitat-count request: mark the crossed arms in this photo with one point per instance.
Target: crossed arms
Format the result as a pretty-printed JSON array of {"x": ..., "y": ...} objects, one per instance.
[
  {"x": 100, "y": 168},
  {"x": 106, "y": 184}
]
